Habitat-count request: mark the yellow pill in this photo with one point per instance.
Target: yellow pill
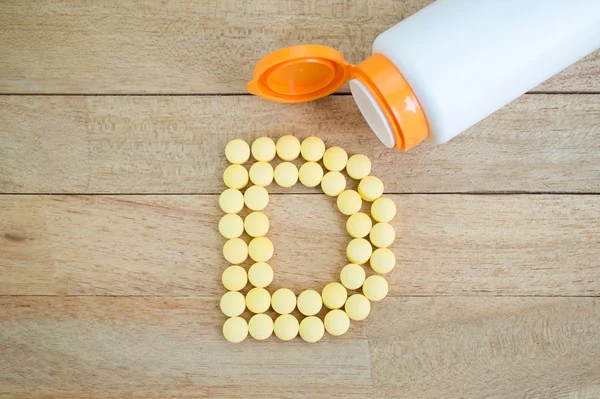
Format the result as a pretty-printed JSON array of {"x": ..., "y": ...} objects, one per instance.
[
  {"x": 382, "y": 235},
  {"x": 263, "y": 149},
  {"x": 286, "y": 327},
  {"x": 352, "y": 276},
  {"x": 235, "y": 176},
  {"x": 231, "y": 200},
  {"x": 375, "y": 288},
  {"x": 357, "y": 307},
  {"x": 261, "y": 174},
  {"x": 333, "y": 183},
  {"x": 260, "y": 274},
  {"x": 235, "y": 330},
  {"x": 231, "y": 226},
  {"x": 286, "y": 174},
  {"x": 349, "y": 202},
  {"x": 358, "y": 167},
  {"x": 237, "y": 151},
  {"x": 235, "y": 251},
  {"x": 359, "y": 251},
  {"x": 283, "y": 301},
  {"x": 260, "y": 326},
  {"x": 383, "y": 260},
  {"x": 337, "y": 322},
  {"x": 258, "y": 300},
  {"x": 256, "y": 224},
  {"x": 260, "y": 249},
  {"x": 370, "y": 188},
  {"x": 335, "y": 159},
  {"x": 234, "y": 278},
  {"x": 232, "y": 303},
  {"x": 288, "y": 148},
  {"x": 383, "y": 210},
  {"x": 310, "y": 174},
  {"x": 334, "y": 295},
  {"x": 312, "y": 149},
  {"x": 312, "y": 329},
  {"x": 359, "y": 225},
  {"x": 309, "y": 302},
  {"x": 256, "y": 198}
]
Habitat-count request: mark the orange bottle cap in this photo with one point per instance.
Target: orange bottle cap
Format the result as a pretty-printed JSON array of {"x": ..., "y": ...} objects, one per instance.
[
  {"x": 308, "y": 72},
  {"x": 299, "y": 74}
]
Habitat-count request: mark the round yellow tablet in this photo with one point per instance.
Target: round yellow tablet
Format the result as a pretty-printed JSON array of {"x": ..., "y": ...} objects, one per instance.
[
  {"x": 286, "y": 327},
  {"x": 310, "y": 174},
  {"x": 235, "y": 176},
  {"x": 383, "y": 260},
  {"x": 337, "y": 322},
  {"x": 260, "y": 326},
  {"x": 288, "y": 148},
  {"x": 309, "y": 302},
  {"x": 260, "y": 249},
  {"x": 263, "y": 149},
  {"x": 333, "y": 183},
  {"x": 352, "y": 276},
  {"x": 283, "y": 301},
  {"x": 237, "y": 151},
  {"x": 382, "y": 235},
  {"x": 258, "y": 300},
  {"x": 334, "y": 295},
  {"x": 233, "y": 303},
  {"x": 335, "y": 159},
  {"x": 312, "y": 149},
  {"x": 359, "y": 251},
  {"x": 234, "y": 278},
  {"x": 349, "y": 202},
  {"x": 256, "y": 198},
  {"x": 235, "y": 251},
  {"x": 370, "y": 188},
  {"x": 357, "y": 307},
  {"x": 235, "y": 329},
  {"x": 256, "y": 224},
  {"x": 231, "y": 225},
  {"x": 260, "y": 274},
  {"x": 231, "y": 200},
  {"x": 312, "y": 329},
  {"x": 383, "y": 210},
  {"x": 286, "y": 174},
  {"x": 358, "y": 167},
  {"x": 261, "y": 173},
  {"x": 359, "y": 225},
  {"x": 375, "y": 288}
]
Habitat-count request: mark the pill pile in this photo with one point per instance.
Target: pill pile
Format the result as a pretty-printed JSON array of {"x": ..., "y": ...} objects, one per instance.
[{"x": 370, "y": 237}]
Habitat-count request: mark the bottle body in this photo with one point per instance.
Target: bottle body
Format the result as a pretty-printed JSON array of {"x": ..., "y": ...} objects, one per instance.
[{"x": 465, "y": 59}]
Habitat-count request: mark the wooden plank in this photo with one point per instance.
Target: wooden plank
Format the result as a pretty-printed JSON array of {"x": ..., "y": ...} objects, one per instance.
[
  {"x": 169, "y": 245},
  {"x": 408, "y": 347},
  {"x": 541, "y": 143},
  {"x": 67, "y": 46}
]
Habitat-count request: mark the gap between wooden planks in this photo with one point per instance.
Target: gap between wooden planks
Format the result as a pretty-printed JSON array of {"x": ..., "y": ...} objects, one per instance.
[
  {"x": 516, "y": 245},
  {"x": 203, "y": 47},
  {"x": 107, "y": 144},
  {"x": 444, "y": 347}
]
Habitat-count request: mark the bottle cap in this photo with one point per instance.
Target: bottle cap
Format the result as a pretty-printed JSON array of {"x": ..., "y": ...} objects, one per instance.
[
  {"x": 308, "y": 72},
  {"x": 299, "y": 74}
]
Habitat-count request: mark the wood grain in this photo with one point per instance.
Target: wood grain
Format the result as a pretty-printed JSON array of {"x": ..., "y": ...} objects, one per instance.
[
  {"x": 169, "y": 245},
  {"x": 408, "y": 347},
  {"x": 116, "y": 46},
  {"x": 73, "y": 144}
]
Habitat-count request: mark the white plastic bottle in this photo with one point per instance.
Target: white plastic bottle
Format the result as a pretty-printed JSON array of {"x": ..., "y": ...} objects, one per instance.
[{"x": 445, "y": 68}]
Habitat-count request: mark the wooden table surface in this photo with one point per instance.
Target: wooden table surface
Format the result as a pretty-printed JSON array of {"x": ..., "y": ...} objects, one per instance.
[{"x": 113, "y": 120}]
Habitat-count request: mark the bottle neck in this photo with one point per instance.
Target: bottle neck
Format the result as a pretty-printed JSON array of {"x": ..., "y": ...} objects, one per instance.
[{"x": 388, "y": 104}]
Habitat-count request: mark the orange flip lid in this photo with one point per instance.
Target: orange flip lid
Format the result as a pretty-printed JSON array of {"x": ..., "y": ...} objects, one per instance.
[{"x": 299, "y": 74}]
